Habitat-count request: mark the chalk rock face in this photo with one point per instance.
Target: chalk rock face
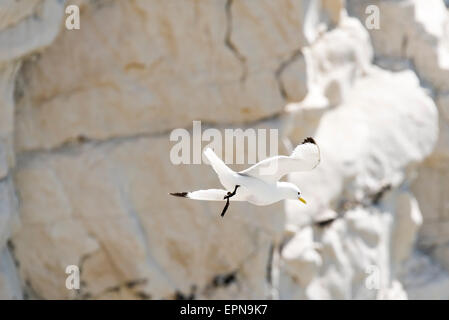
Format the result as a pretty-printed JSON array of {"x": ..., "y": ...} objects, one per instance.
[
  {"x": 9, "y": 281},
  {"x": 155, "y": 245},
  {"x": 7, "y": 76},
  {"x": 424, "y": 278},
  {"x": 218, "y": 53},
  {"x": 25, "y": 26},
  {"x": 422, "y": 43},
  {"x": 10, "y": 287},
  {"x": 86, "y": 125},
  {"x": 413, "y": 30},
  {"x": 334, "y": 62},
  {"x": 28, "y": 26},
  {"x": 357, "y": 162}
]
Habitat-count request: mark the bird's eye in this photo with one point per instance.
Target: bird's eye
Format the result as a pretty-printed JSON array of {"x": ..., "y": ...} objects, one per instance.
[{"x": 299, "y": 193}]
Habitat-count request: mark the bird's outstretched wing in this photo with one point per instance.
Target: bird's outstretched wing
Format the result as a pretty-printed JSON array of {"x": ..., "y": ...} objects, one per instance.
[
  {"x": 208, "y": 194},
  {"x": 305, "y": 157},
  {"x": 222, "y": 170}
]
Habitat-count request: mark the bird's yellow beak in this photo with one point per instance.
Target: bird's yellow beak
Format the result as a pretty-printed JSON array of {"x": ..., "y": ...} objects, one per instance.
[{"x": 302, "y": 200}]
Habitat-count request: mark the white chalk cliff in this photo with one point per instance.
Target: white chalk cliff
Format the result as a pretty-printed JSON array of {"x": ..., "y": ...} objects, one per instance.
[{"x": 85, "y": 120}]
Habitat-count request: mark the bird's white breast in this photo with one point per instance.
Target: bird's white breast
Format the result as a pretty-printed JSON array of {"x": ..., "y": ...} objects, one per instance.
[{"x": 259, "y": 192}]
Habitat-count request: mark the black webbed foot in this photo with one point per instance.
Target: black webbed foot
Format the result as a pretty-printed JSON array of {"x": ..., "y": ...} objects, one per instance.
[{"x": 231, "y": 194}]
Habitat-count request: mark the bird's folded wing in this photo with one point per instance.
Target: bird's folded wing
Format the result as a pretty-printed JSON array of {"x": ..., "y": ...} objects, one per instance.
[{"x": 305, "y": 157}]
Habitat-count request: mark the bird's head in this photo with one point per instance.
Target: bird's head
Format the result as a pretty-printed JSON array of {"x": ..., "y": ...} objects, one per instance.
[{"x": 290, "y": 191}]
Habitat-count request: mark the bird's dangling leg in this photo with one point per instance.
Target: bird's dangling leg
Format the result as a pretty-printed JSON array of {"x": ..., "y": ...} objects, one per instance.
[
  {"x": 225, "y": 207},
  {"x": 229, "y": 195}
]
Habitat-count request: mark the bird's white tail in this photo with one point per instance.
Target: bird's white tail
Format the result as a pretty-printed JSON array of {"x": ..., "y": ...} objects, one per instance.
[{"x": 209, "y": 194}]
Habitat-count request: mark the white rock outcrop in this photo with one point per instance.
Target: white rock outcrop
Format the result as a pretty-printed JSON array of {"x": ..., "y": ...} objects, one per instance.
[
  {"x": 385, "y": 126},
  {"x": 421, "y": 33}
]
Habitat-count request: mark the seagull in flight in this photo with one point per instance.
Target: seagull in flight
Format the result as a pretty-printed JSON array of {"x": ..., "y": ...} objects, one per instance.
[{"x": 259, "y": 184}]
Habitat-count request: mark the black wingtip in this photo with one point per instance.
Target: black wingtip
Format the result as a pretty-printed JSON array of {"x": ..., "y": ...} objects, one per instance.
[
  {"x": 179, "y": 194},
  {"x": 309, "y": 140},
  {"x": 325, "y": 223}
]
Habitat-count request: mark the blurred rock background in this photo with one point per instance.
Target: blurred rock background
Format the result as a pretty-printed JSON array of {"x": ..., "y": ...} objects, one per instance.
[{"x": 85, "y": 120}]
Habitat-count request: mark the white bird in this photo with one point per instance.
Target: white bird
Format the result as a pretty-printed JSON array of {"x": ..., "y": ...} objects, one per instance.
[{"x": 259, "y": 184}]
